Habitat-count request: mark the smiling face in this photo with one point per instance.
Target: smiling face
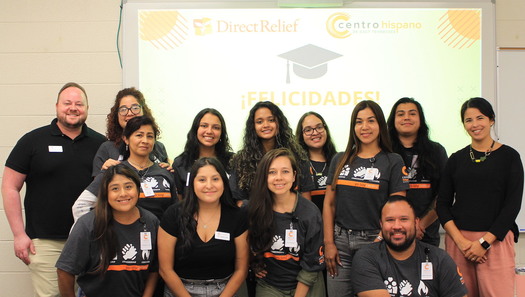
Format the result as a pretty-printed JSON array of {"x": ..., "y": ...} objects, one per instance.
[
  {"x": 407, "y": 120},
  {"x": 141, "y": 141},
  {"x": 208, "y": 184},
  {"x": 128, "y": 102},
  {"x": 265, "y": 124},
  {"x": 209, "y": 131},
  {"x": 71, "y": 108},
  {"x": 477, "y": 124},
  {"x": 366, "y": 127},
  {"x": 281, "y": 176},
  {"x": 398, "y": 225},
  {"x": 315, "y": 140},
  {"x": 122, "y": 194}
]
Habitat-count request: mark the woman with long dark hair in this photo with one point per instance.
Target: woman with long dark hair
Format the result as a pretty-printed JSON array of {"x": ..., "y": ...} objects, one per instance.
[
  {"x": 359, "y": 182},
  {"x": 424, "y": 159},
  {"x": 266, "y": 128},
  {"x": 129, "y": 103},
  {"x": 112, "y": 249},
  {"x": 479, "y": 199},
  {"x": 157, "y": 187},
  {"x": 207, "y": 137},
  {"x": 314, "y": 136},
  {"x": 286, "y": 234},
  {"x": 203, "y": 248}
]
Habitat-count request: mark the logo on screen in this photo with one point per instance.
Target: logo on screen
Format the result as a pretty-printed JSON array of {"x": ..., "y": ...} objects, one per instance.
[
  {"x": 334, "y": 25},
  {"x": 163, "y": 29},
  {"x": 202, "y": 26}
]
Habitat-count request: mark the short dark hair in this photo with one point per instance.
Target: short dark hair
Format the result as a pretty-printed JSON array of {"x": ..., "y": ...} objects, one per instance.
[
  {"x": 481, "y": 104},
  {"x": 398, "y": 198}
]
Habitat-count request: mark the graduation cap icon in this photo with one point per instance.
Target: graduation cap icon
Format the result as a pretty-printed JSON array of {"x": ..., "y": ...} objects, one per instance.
[{"x": 309, "y": 61}]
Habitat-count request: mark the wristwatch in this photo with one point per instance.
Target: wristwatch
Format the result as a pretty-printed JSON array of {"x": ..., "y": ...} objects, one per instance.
[{"x": 484, "y": 244}]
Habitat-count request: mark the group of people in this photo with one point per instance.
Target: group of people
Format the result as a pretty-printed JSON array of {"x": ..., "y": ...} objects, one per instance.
[{"x": 287, "y": 215}]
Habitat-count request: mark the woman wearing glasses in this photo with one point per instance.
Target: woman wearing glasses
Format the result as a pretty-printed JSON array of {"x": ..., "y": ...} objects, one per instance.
[
  {"x": 313, "y": 135},
  {"x": 129, "y": 103}
]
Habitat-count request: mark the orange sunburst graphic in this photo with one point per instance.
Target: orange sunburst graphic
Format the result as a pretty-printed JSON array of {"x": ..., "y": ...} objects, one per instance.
[
  {"x": 163, "y": 29},
  {"x": 460, "y": 28}
]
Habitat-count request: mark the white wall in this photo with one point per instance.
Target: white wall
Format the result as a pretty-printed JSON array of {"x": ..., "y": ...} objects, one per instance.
[{"x": 44, "y": 44}]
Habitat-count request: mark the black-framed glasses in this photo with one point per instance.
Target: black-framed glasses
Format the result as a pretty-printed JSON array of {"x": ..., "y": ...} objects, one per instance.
[
  {"x": 135, "y": 109},
  {"x": 309, "y": 130}
]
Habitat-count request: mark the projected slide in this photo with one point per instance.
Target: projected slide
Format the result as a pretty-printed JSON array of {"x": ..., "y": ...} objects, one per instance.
[{"x": 326, "y": 60}]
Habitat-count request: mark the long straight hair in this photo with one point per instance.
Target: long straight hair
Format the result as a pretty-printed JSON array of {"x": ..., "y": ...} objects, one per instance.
[
  {"x": 190, "y": 204},
  {"x": 354, "y": 144},
  {"x": 103, "y": 231},
  {"x": 260, "y": 209},
  {"x": 223, "y": 150},
  {"x": 426, "y": 149}
]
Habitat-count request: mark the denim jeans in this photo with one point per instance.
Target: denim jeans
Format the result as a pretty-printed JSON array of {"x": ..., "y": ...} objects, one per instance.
[
  {"x": 347, "y": 243},
  {"x": 201, "y": 288}
]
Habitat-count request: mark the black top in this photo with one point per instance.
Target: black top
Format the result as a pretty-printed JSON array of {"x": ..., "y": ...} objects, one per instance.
[
  {"x": 483, "y": 196},
  {"x": 207, "y": 260},
  {"x": 423, "y": 189},
  {"x": 58, "y": 169}
]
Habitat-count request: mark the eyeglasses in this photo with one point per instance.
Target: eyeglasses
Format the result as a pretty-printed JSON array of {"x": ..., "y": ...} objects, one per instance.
[
  {"x": 135, "y": 109},
  {"x": 309, "y": 130}
]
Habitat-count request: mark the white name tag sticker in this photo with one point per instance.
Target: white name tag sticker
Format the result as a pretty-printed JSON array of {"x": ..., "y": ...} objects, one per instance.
[
  {"x": 290, "y": 239},
  {"x": 426, "y": 271},
  {"x": 145, "y": 241},
  {"x": 222, "y": 235},
  {"x": 55, "y": 149},
  {"x": 147, "y": 190}
]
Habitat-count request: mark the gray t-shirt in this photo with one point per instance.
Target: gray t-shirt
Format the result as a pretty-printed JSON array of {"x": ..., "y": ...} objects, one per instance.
[
  {"x": 373, "y": 268},
  {"x": 127, "y": 272},
  {"x": 361, "y": 191}
]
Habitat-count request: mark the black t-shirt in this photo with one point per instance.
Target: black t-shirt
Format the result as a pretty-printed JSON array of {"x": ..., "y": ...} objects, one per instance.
[
  {"x": 207, "y": 260},
  {"x": 319, "y": 174},
  {"x": 423, "y": 190},
  {"x": 57, "y": 170}
]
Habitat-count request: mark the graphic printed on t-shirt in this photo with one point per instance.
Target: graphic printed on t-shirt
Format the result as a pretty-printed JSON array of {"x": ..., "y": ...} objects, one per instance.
[
  {"x": 159, "y": 185},
  {"x": 405, "y": 288},
  {"x": 128, "y": 259},
  {"x": 362, "y": 177}
]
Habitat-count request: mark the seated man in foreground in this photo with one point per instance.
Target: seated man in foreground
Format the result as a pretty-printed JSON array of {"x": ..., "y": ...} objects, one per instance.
[{"x": 401, "y": 266}]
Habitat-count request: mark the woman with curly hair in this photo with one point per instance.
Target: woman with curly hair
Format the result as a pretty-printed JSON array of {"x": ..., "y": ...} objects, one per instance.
[
  {"x": 314, "y": 136},
  {"x": 129, "y": 103},
  {"x": 266, "y": 128},
  {"x": 207, "y": 138}
]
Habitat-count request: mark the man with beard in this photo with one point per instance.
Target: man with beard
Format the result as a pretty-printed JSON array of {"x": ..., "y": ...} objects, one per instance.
[
  {"x": 401, "y": 266},
  {"x": 55, "y": 162}
]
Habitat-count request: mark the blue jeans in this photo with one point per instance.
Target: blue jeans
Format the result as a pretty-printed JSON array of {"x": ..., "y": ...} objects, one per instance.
[
  {"x": 201, "y": 288},
  {"x": 347, "y": 243}
]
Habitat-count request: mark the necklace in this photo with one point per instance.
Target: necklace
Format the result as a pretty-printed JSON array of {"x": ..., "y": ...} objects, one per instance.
[
  {"x": 315, "y": 171},
  {"x": 148, "y": 164},
  {"x": 205, "y": 225},
  {"x": 483, "y": 158}
]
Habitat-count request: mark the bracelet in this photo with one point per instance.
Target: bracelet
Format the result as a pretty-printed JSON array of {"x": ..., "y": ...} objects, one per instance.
[{"x": 379, "y": 237}]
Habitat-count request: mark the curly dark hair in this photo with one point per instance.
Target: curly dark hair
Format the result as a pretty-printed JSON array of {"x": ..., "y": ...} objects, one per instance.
[
  {"x": 223, "y": 150},
  {"x": 328, "y": 148},
  {"x": 114, "y": 130},
  {"x": 244, "y": 163}
]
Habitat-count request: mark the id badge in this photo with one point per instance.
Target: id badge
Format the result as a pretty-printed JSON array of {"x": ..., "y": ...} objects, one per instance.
[
  {"x": 147, "y": 190},
  {"x": 371, "y": 173},
  {"x": 145, "y": 241},
  {"x": 222, "y": 235},
  {"x": 55, "y": 149},
  {"x": 290, "y": 239},
  {"x": 426, "y": 271}
]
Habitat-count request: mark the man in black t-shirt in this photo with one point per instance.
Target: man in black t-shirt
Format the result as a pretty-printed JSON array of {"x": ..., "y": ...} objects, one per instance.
[
  {"x": 55, "y": 163},
  {"x": 400, "y": 265}
]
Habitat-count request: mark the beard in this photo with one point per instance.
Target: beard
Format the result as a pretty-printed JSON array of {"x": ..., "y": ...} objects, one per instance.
[
  {"x": 71, "y": 125},
  {"x": 402, "y": 246}
]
